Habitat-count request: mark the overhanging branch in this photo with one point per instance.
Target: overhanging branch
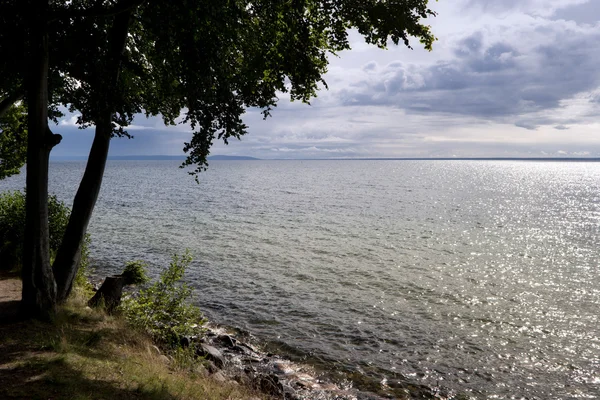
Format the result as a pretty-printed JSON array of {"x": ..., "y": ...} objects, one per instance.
[
  {"x": 11, "y": 99},
  {"x": 97, "y": 11}
]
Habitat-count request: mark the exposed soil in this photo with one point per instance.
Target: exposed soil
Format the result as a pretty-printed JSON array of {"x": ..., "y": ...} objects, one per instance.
[{"x": 10, "y": 296}]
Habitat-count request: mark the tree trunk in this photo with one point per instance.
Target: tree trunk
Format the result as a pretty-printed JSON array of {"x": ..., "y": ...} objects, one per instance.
[
  {"x": 39, "y": 288},
  {"x": 109, "y": 294},
  {"x": 69, "y": 253}
]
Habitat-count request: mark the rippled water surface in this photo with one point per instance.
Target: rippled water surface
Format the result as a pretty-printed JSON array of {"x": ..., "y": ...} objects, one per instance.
[{"x": 478, "y": 277}]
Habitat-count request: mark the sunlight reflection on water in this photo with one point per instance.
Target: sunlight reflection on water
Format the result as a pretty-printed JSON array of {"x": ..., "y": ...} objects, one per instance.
[{"x": 481, "y": 277}]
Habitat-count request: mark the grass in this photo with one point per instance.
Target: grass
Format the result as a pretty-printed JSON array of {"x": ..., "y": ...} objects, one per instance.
[{"x": 86, "y": 354}]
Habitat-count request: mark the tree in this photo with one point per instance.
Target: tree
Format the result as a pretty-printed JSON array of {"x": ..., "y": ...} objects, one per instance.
[
  {"x": 13, "y": 138},
  {"x": 208, "y": 60}
]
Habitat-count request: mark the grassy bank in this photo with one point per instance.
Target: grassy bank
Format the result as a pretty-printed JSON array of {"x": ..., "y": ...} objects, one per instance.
[{"x": 86, "y": 354}]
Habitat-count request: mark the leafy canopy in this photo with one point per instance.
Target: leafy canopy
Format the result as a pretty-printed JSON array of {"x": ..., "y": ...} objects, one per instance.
[
  {"x": 207, "y": 60},
  {"x": 13, "y": 140}
]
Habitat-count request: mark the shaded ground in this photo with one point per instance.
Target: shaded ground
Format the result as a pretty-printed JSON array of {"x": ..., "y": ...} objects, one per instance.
[
  {"x": 10, "y": 295},
  {"x": 85, "y": 354}
]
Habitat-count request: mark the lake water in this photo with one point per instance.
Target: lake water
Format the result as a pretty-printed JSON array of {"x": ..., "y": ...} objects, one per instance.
[{"x": 480, "y": 278}]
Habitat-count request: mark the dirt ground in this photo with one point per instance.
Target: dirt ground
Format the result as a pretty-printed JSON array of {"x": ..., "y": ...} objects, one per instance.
[{"x": 10, "y": 295}]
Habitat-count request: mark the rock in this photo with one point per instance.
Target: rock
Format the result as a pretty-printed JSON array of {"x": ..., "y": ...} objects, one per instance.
[
  {"x": 305, "y": 381},
  {"x": 212, "y": 354},
  {"x": 201, "y": 370},
  {"x": 185, "y": 341},
  {"x": 226, "y": 341},
  {"x": 241, "y": 350},
  {"x": 154, "y": 350},
  {"x": 288, "y": 392},
  {"x": 282, "y": 368},
  {"x": 164, "y": 359},
  {"x": 242, "y": 379},
  {"x": 251, "y": 360},
  {"x": 211, "y": 367},
  {"x": 219, "y": 377},
  {"x": 269, "y": 384}
]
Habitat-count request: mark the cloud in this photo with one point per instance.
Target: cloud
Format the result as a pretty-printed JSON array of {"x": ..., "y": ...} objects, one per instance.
[
  {"x": 506, "y": 78},
  {"x": 526, "y": 125},
  {"x": 489, "y": 77},
  {"x": 542, "y": 8},
  {"x": 586, "y": 12},
  {"x": 70, "y": 121}
]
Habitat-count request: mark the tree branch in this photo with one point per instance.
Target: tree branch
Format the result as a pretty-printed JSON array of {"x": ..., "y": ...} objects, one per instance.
[
  {"x": 97, "y": 11},
  {"x": 52, "y": 139},
  {"x": 11, "y": 99}
]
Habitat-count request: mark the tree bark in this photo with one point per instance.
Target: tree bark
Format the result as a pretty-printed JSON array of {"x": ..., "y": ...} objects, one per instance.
[
  {"x": 39, "y": 288},
  {"x": 68, "y": 256},
  {"x": 109, "y": 294}
]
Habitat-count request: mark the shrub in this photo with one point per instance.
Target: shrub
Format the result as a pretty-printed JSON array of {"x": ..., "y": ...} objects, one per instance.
[
  {"x": 163, "y": 309},
  {"x": 83, "y": 272},
  {"x": 135, "y": 273},
  {"x": 12, "y": 231},
  {"x": 12, "y": 226}
]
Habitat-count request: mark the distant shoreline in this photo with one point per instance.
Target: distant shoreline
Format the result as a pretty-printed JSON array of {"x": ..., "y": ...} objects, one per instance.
[{"x": 247, "y": 158}]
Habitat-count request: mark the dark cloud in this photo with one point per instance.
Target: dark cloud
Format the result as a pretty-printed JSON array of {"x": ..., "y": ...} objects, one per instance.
[
  {"x": 507, "y": 78},
  {"x": 494, "y": 6},
  {"x": 370, "y": 66},
  {"x": 498, "y": 57},
  {"x": 560, "y": 9},
  {"x": 77, "y": 142},
  {"x": 490, "y": 78},
  {"x": 526, "y": 125},
  {"x": 469, "y": 46},
  {"x": 586, "y": 13}
]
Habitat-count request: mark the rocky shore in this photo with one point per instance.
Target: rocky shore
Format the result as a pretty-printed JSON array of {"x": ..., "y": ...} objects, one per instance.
[
  {"x": 230, "y": 358},
  {"x": 234, "y": 357}
]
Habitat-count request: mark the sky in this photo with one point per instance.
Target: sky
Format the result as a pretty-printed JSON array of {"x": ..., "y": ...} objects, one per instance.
[{"x": 506, "y": 78}]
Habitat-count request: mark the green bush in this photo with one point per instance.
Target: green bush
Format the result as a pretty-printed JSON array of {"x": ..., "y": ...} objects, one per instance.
[
  {"x": 12, "y": 227},
  {"x": 135, "y": 273},
  {"x": 163, "y": 309},
  {"x": 12, "y": 231},
  {"x": 82, "y": 278}
]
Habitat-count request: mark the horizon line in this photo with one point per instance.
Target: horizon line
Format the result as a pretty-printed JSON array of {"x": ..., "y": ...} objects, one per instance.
[{"x": 250, "y": 158}]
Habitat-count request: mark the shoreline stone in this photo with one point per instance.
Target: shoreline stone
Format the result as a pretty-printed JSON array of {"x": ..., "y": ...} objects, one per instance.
[
  {"x": 229, "y": 358},
  {"x": 272, "y": 374}
]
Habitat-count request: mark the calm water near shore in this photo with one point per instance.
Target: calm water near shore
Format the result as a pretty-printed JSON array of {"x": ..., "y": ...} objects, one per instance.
[{"x": 478, "y": 277}]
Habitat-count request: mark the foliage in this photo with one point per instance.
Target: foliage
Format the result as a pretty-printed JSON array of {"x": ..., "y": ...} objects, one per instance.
[
  {"x": 13, "y": 140},
  {"x": 208, "y": 60},
  {"x": 83, "y": 272},
  {"x": 164, "y": 309},
  {"x": 135, "y": 273},
  {"x": 12, "y": 222},
  {"x": 12, "y": 226}
]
